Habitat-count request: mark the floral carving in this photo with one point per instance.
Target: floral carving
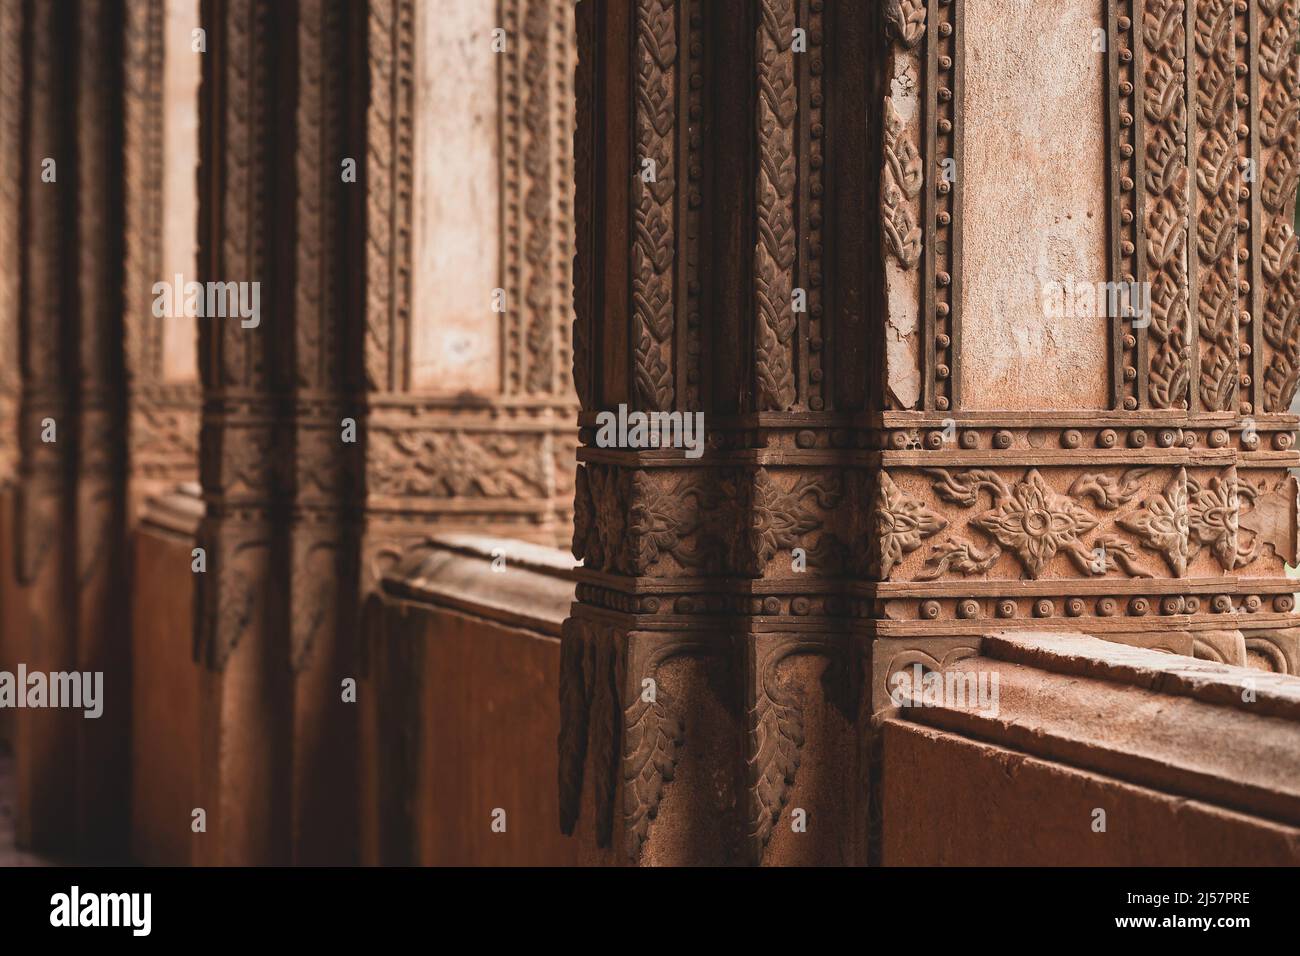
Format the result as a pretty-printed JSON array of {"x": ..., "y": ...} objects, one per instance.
[
  {"x": 1213, "y": 517},
  {"x": 782, "y": 520},
  {"x": 1029, "y": 519},
  {"x": 655, "y": 232},
  {"x": 1165, "y": 206},
  {"x": 1272, "y": 520},
  {"x": 774, "y": 250},
  {"x": 1110, "y": 552},
  {"x": 598, "y": 518},
  {"x": 457, "y": 465},
  {"x": 1035, "y": 522},
  {"x": 1279, "y": 129},
  {"x": 774, "y": 740},
  {"x": 673, "y": 521},
  {"x": 1215, "y": 146},
  {"x": 1162, "y": 524},
  {"x": 902, "y": 523}
]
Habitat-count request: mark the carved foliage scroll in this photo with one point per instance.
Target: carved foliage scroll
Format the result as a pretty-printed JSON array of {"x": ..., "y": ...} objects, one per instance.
[
  {"x": 900, "y": 186},
  {"x": 774, "y": 250},
  {"x": 1165, "y": 209},
  {"x": 654, "y": 187},
  {"x": 1279, "y": 172},
  {"x": 1217, "y": 184},
  {"x": 389, "y": 137}
]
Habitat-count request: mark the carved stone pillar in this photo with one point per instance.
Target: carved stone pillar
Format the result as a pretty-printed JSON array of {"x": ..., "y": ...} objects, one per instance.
[
  {"x": 1121, "y": 473},
  {"x": 386, "y": 199},
  {"x": 326, "y": 431},
  {"x": 44, "y": 511},
  {"x": 240, "y": 611},
  {"x": 98, "y": 591},
  {"x": 64, "y": 101},
  {"x": 709, "y": 690},
  {"x": 1046, "y": 387}
]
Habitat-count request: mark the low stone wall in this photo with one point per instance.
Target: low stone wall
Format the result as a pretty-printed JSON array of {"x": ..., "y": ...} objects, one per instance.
[
  {"x": 460, "y": 708},
  {"x": 165, "y": 683},
  {"x": 1095, "y": 754}
]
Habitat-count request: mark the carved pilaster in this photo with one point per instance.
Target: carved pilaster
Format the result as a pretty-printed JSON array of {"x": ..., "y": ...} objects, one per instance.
[
  {"x": 1161, "y": 129},
  {"x": 102, "y": 639},
  {"x": 706, "y": 690},
  {"x": 494, "y": 450},
  {"x": 326, "y": 422},
  {"x": 1217, "y": 283},
  {"x": 63, "y": 115}
]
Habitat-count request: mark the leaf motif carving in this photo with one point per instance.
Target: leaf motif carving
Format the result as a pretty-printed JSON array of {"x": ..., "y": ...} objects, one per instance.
[
  {"x": 654, "y": 246},
  {"x": 1162, "y": 524},
  {"x": 1213, "y": 513},
  {"x": 1108, "y": 491},
  {"x": 774, "y": 250},
  {"x": 962, "y": 557},
  {"x": 1281, "y": 176},
  {"x": 964, "y": 488},
  {"x": 902, "y": 523},
  {"x": 1279, "y": 250},
  {"x": 776, "y": 735},
  {"x": 1279, "y": 116},
  {"x": 906, "y": 19},
  {"x": 653, "y": 732},
  {"x": 782, "y": 520},
  {"x": 901, "y": 181}
]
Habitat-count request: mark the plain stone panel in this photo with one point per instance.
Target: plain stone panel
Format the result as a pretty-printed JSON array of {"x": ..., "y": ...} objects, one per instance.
[{"x": 1033, "y": 203}]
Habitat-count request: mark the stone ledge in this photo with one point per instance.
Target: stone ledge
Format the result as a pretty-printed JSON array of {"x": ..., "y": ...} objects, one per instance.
[
  {"x": 1133, "y": 714},
  {"x": 175, "y": 512},
  {"x": 1078, "y": 654},
  {"x": 456, "y": 571}
]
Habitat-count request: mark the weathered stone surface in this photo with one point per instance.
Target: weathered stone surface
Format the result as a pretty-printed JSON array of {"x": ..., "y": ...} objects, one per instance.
[{"x": 1033, "y": 204}]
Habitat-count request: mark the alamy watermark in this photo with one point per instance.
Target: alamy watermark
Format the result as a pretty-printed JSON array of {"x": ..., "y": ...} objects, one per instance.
[
  {"x": 72, "y": 690},
  {"x": 209, "y": 300},
  {"x": 133, "y": 911},
  {"x": 626, "y": 429},
  {"x": 918, "y": 687},
  {"x": 1085, "y": 300}
]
